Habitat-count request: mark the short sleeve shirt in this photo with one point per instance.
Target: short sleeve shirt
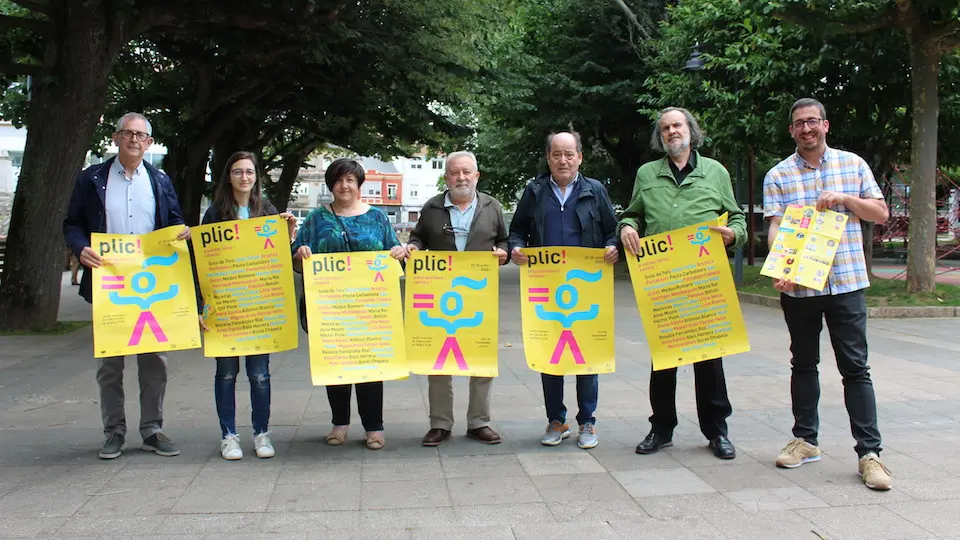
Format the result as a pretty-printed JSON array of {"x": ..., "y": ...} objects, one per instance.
[{"x": 793, "y": 181}]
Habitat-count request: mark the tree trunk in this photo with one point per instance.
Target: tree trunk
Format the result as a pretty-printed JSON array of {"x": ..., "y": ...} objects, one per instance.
[
  {"x": 922, "y": 234},
  {"x": 64, "y": 110},
  {"x": 279, "y": 193},
  {"x": 187, "y": 166},
  {"x": 866, "y": 229}
]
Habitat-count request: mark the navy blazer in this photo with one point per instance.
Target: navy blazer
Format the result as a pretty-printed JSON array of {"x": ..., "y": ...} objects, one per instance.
[{"x": 87, "y": 213}]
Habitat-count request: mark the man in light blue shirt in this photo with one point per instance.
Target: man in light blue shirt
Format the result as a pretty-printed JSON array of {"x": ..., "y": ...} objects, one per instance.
[
  {"x": 125, "y": 195},
  {"x": 464, "y": 219},
  {"x": 129, "y": 201},
  {"x": 460, "y": 220}
]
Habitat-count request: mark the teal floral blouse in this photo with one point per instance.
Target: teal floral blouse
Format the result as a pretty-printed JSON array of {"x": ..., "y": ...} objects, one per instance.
[{"x": 325, "y": 232}]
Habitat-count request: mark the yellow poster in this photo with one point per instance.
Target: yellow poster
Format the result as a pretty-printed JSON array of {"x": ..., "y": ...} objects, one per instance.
[
  {"x": 687, "y": 298},
  {"x": 246, "y": 278},
  {"x": 354, "y": 317},
  {"x": 143, "y": 295},
  {"x": 452, "y": 315},
  {"x": 566, "y": 304},
  {"x": 805, "y": 245}
]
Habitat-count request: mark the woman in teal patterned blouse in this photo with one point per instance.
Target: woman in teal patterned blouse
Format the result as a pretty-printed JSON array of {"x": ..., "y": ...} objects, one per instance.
[{"x": 348, "y": 224}]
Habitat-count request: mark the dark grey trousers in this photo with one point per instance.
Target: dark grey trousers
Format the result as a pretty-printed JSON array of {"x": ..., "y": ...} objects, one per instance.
[{"x": 152, "y": 372}]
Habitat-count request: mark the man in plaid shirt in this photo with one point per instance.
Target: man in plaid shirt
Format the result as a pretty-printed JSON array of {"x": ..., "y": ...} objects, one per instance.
[{"x": 817, "y": 175}]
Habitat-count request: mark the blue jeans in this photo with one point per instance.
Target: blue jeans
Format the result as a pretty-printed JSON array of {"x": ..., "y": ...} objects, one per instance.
[
  {"x": 224, "y": 391},
  {"x": 588, "y": 388}
]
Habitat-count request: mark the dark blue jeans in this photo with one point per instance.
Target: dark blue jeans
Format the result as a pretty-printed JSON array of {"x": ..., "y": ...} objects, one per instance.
[
  {"x": 224, "y": 391},
  {"x": 588, "y": 388},
  {"x": 846, "y": 316}
]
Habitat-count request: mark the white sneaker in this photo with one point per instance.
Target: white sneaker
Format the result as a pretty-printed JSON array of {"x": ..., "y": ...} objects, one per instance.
[
  {"x": 230, "y": 448},
  {"x": 263, "y": 445}
]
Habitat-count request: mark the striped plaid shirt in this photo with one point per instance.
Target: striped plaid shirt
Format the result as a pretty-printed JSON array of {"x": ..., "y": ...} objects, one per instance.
[{"x": 794, "y": 181}]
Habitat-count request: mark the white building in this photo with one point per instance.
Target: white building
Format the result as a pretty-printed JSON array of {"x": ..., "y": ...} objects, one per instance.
[
  {"x": 13, "y": 141},
  {"x": 420, "y": 177}
]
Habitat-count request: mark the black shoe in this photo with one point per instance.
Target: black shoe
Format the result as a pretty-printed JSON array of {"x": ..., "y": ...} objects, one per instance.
[
  {"x": 112, "y": 447},
  {"x": 722, "y": 447},
  {"x": 653, "y": 443},
  {"x": 161, "y": 444}
]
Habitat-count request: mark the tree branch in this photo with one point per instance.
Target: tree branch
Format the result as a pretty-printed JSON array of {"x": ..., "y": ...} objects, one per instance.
[
  {"x": 632, "y": 18},
  {"x": 35, "y": 25},
  {"x": 951, "y": 43},
  {"x": 835, "y": 27},
  {"x": 948, "y": 35},
  {"x": 21, "y": 69},
  {"x": 945, "y": 30},
  {"x": 38, "y": 7}
]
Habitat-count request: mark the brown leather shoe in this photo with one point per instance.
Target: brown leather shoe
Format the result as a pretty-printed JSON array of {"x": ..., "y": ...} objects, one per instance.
[
  {"x": 435, "y": 437},
  {"x": 484, "y": 434}
]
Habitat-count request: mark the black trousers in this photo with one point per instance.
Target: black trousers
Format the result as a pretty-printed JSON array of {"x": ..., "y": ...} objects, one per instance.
[
  {"x": 846, "y": 316},
  {"x": 369, "y": 404},
  {"x": 713, "y": 405}
]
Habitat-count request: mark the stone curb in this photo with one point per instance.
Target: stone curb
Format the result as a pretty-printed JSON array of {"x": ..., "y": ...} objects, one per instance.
[{"x": 873, "y": 312}]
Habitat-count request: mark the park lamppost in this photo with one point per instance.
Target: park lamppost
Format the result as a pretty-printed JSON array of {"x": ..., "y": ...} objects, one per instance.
[{"x": 694, "y": 65}]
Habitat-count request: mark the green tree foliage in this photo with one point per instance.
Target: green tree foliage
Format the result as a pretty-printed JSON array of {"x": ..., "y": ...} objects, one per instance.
[
  {"x": 931, "y": 29},
  {"x": 563, "y": 64},
  {"x": 370, "y": 75}
]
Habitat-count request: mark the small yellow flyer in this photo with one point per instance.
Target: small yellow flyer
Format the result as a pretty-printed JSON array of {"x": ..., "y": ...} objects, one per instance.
[{"x": 805, "y": 245}]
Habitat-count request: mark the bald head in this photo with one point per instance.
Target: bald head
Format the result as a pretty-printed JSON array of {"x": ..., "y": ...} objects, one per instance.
[{"x": 564, "y": 155}]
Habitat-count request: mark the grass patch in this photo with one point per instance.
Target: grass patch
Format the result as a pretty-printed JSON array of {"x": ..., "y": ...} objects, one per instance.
[
  {"x": 62, "y": 327},
  {"x": 881, "y": 293}
]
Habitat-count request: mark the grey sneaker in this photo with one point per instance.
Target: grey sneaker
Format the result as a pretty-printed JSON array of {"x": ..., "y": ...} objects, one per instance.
[
  {"x": 113, "y": 446},
  {"x": 556, "y": 432},
  {"x": 161, "y": 444},
  {"x": 588, "y": 436}
]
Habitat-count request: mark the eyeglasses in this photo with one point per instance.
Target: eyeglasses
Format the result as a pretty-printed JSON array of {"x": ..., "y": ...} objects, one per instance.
[
  {"x": 128, "y": 135},
  {"x": 456, "y": 231},
  {"x": 809, "y": 122},
  {"x": 240, "y": 173}
]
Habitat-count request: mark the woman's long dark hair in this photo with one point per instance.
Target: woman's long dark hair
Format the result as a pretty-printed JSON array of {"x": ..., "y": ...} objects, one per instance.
[{"x": 223, "y": 198}]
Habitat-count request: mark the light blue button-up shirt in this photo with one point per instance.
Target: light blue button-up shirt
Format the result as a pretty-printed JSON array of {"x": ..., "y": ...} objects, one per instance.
[
  {"x": 562, "y": 197},
  {"x": 460, "y": 220},
  {"x": 130, "y": 203}
]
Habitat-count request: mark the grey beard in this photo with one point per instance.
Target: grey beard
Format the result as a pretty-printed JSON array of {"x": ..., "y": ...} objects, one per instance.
[
  {"x": 675, "y": 151},
  {"x": 461, "y": 193}
]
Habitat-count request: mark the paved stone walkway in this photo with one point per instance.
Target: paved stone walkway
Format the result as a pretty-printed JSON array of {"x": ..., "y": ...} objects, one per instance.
[{"x": 52, "y": 485}]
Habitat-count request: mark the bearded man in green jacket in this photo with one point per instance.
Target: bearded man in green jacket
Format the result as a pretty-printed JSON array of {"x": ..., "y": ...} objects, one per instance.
[{"x": 681, "y": 189}]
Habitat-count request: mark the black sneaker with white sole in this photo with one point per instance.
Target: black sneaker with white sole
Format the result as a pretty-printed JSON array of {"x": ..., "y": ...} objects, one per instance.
[
  {"x": 113, "y": 446},
  {"x": 161, "y": 444}
]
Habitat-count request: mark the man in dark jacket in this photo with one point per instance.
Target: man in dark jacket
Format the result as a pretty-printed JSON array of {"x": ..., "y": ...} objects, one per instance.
[
  {"x": 460, "y": 219},
  {"x": 565, "y": 208},
  {"x": 125, "y": 195}
]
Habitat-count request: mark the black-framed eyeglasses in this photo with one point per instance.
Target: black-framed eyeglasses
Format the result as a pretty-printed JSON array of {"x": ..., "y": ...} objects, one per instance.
[
  {"x": 129, "y": 135},
  {"x": 456, "y": 231},
  {"x": 809, "y": 122}
]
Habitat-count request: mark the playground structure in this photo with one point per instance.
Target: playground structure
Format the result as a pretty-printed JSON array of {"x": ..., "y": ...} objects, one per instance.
[{"x": 891, "y": 237}]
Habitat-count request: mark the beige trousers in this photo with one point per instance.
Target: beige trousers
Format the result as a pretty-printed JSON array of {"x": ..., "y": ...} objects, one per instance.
[{"x": 441, "y": 402}]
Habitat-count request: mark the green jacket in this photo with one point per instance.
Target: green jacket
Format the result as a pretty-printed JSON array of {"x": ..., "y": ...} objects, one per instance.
[{"x": 659, "y": 205}]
